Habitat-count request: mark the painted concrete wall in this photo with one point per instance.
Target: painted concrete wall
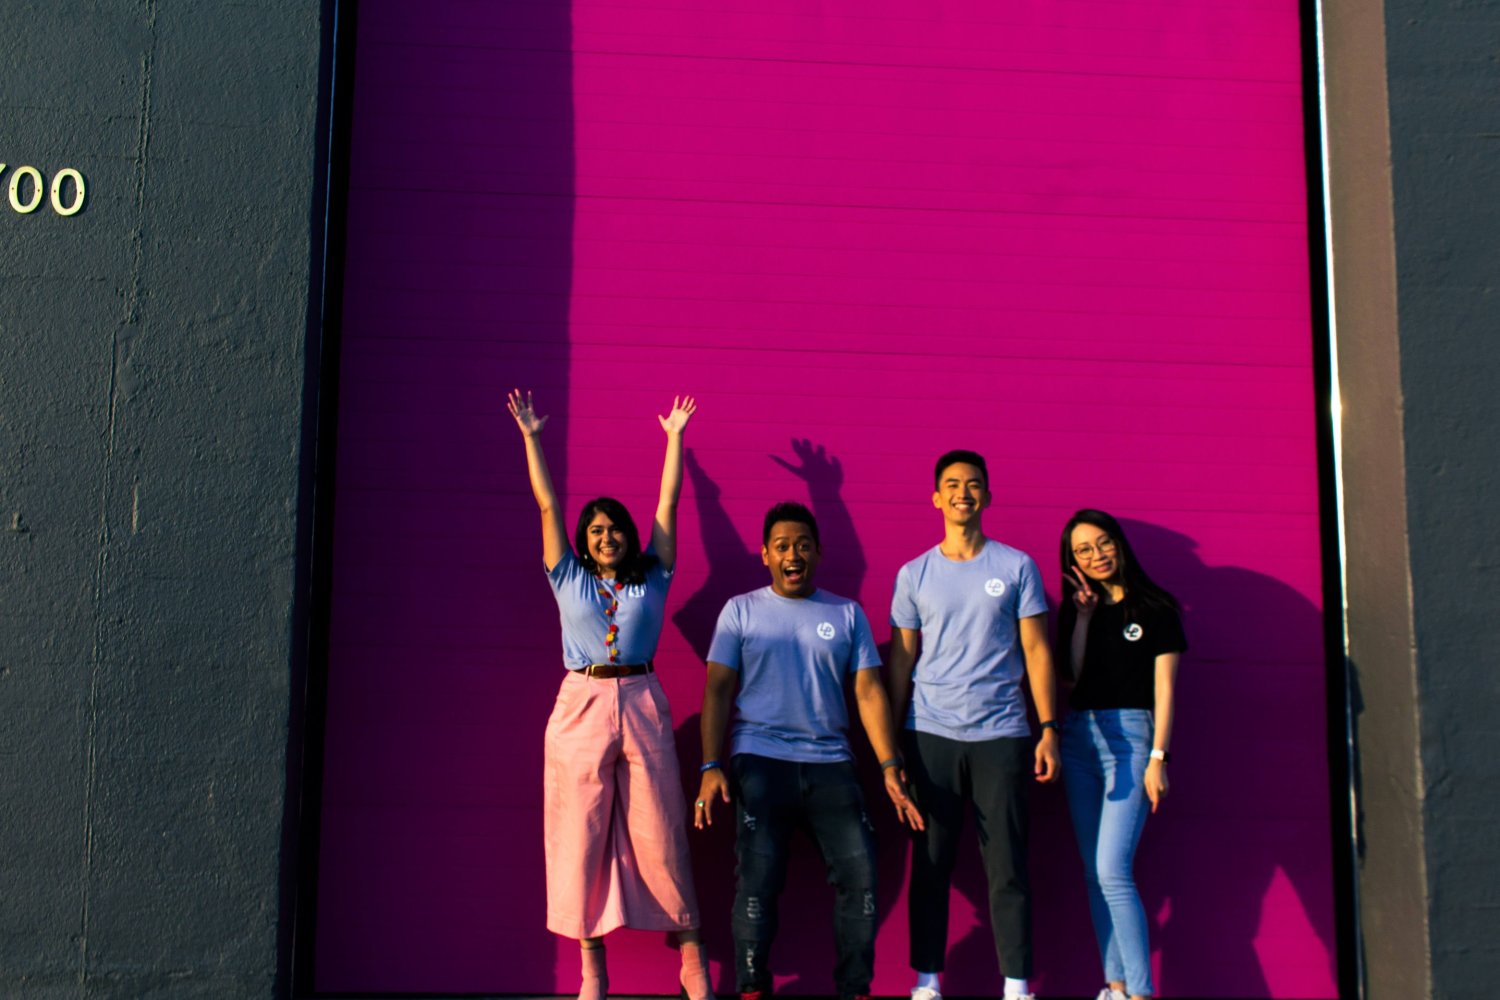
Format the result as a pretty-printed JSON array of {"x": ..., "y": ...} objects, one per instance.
[
  {"x": 1074, "y": 239},
  {"x": 1411, "y": 93},
  {"x": 1445, "y": 179},
  {"x": 151, "y": 377}
]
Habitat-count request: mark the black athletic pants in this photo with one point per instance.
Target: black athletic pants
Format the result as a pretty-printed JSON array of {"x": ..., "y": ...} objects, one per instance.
[{"x": 995, "y": 775}]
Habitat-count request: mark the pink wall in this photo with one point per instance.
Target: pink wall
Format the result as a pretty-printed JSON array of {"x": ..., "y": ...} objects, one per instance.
[{"x": 1068, "y": 234}]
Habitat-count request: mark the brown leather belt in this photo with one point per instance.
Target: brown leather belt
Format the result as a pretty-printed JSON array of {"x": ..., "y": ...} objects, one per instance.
[{"x": 607, "y": 671}]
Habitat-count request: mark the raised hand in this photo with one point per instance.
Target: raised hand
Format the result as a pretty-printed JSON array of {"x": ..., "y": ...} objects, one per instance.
[
  {"x": 682, "y": 411},
  {"x": 520, "y": 407},
  {"x": 1085, "y": 598}
]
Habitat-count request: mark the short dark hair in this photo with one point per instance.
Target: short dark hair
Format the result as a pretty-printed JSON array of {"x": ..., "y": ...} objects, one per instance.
[
  {"x": 635, "y": 564},
  {"x": 789, "y": 510},
  {"x": 956, "y": 456}
]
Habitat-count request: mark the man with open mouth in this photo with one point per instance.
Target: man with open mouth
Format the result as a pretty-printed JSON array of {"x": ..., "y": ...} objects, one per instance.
[
  {"x": 969, "y": 619},
  {"x": 787, "y": 649}
]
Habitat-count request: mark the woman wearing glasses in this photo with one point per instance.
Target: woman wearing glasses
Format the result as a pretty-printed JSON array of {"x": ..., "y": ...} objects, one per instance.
[
  {"x": 1120, "y": 638},
  {"x": 614, "y": 814}
]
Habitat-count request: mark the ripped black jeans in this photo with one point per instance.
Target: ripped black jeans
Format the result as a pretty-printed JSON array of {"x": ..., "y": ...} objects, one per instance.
[{"x": 772, "y": 799}]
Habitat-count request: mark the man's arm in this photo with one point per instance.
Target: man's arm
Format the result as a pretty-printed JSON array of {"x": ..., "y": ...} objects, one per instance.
[
  {"x": 718, "y": 695},
  {"x": 875, "y": 713},
  {"x": 906, "y": 644},
  {"x": 1044, "y": 692}
]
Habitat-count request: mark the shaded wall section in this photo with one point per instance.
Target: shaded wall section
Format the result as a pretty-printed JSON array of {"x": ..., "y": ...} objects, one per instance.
[
  {"x": 1071, "y": 238},
  {"x": 442, "y": 644},
  {"x": 151, "y": 379}
]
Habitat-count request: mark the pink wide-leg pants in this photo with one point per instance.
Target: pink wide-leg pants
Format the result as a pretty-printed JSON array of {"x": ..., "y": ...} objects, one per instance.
[{"x": 616, "y": 821}]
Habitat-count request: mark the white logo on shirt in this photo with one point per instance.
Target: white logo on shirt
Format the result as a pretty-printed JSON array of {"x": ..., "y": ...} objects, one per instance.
[
  {"x": 994, "y": 587},
  {"x": 636, "y": 590},
  {"x": 825, "y": 630},
  {"x": 1133, "y": 632}
]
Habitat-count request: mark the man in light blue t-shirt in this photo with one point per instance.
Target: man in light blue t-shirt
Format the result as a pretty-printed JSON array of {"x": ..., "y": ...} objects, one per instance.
[
  {"x": 969, "y": 621},
  {"x": 787, "y": 649}
]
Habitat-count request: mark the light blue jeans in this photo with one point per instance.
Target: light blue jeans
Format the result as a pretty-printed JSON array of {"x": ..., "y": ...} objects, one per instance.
[{"x": 1104, "y": 758}]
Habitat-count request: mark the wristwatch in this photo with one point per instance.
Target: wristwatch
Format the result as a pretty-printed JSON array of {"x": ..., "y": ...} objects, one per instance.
[{"x": 1162, "y": 756}]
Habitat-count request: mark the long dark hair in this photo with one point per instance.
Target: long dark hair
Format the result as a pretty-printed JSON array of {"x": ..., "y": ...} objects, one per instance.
[
  {"x": 1140, "y": 590},
  {"x": 635, "y": 564}
]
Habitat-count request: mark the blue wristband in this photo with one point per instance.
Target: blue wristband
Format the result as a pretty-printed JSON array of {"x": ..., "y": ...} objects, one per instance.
[{"x": 710, "y": 766}]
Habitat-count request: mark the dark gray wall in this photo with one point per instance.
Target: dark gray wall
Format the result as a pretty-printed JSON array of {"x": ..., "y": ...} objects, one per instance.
[
  {"x": 151, "y": 378},
  {"x": 1444, "y": 83},
  {"x": 1414, "y": 141}
]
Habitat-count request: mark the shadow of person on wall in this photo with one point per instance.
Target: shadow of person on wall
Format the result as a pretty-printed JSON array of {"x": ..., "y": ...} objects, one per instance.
[
  {"x": 843, "y": 568},
  {"x": 803, "y": 952},
  {"x": 1245, "y": 832},
  {"x": 733, "y": 568}
]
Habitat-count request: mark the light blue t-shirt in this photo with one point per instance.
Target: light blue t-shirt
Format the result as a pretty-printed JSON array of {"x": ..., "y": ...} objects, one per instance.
[
  {"x": 584, "y": 622},
  {"x": 792, "y": 655},
  {"x": 967, "y": 684}
]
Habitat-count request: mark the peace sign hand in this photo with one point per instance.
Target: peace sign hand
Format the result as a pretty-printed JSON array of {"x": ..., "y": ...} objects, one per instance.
[
  {"x": 682, "y": 411},
  {"x": 520, "y": 407},
  {"x": 1085, "y": 598}
]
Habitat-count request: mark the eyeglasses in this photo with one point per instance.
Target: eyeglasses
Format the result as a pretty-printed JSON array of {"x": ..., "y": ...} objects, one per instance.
[{"x": 1105, "y": 547}]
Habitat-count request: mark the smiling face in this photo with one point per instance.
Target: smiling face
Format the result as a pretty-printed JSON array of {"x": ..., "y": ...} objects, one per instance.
[
  {"x": 1096, "y": 552},
  {"x": 962, "y": 493},
  {"x": 793, "y": 557},
  {"x": 607, "y": 543}
]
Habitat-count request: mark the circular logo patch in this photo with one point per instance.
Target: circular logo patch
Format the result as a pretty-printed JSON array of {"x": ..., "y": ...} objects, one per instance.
[
  {"x": 825, "y": 630},
  {"x": 636, "y": 590},
  {"x": 1133, "y": 632},
  {"x": 994, "y": 587}
]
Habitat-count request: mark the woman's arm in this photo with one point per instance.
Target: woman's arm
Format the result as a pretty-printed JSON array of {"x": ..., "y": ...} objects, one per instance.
[
  {"x": 554, "y": 535},
  {"x": 1157, "y": 785},
  {"x": 664, "y": 529},
  {"x": 1085, "y": 600},
  {"x": 1079, "y": 645}
]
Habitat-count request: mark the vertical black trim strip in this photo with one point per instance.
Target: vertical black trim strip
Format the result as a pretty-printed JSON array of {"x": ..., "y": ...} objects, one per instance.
[
  {"x": 1346, "y": 915},
  {"x": 301, "y": 827}
]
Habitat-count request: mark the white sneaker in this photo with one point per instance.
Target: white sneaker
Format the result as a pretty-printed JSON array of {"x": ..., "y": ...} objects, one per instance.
[
  {"x": 925, "y": 993},
  {"x": 1111, "y": 994}
]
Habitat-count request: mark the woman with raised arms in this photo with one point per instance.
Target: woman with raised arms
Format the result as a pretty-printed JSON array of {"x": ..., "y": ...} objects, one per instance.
[
  {"x": 1121, "y": 638},
  {"x": 616, "y": 820}
]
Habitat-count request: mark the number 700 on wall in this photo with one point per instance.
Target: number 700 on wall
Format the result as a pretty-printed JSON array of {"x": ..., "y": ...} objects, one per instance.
[{"x": 38, "y": 187}]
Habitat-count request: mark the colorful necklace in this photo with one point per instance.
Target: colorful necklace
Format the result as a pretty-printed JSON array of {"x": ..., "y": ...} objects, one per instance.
[{"x": 613, "y": 634}]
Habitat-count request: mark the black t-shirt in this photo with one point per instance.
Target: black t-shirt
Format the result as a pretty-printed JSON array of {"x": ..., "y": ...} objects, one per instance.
[{"x": 1119, "y": 661}]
